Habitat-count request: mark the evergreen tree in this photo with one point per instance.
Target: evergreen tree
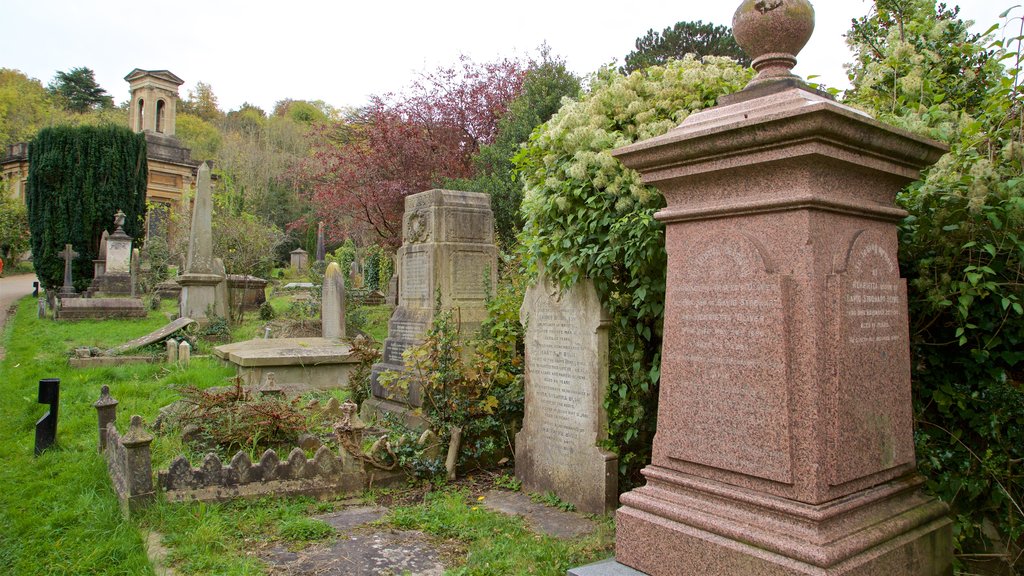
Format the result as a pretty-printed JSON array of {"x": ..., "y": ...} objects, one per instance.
[
  {"x": 684, "y": 38},
  {"x": 78, "y": 178},
  {"x": 79, "y": 91}
]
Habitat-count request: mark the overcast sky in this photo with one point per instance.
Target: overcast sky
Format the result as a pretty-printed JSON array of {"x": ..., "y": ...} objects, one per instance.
[{"x": 342, "y": 52}]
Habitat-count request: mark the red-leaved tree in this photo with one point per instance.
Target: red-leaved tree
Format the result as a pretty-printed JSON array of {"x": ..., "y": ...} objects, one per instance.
[{"x": 362, "y": 168}]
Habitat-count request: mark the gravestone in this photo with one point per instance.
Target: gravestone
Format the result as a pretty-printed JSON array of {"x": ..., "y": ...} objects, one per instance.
[
  {"x": 392, "y": 297},
  {"x": 99, "y": 265},
  {"x": 203, "y": 287},
  {"x": 784, "y": 439},
  {"x": 68, "y": 254},
  {"x": 116, "y": 278},
  {"x": 332, "y": 306},
  {"x": 46, "y": 427},
  {"x": 448, "y": 252},
  {"x": 321, "y": 247},
  {"x": 136, "y": 265},
  {"x": 566, "y": 378},
  {"x": 299, "y": 260}
]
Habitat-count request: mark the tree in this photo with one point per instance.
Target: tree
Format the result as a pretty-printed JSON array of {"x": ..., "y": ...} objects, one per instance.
[
  {"x": 78, "y": 178},
  {"x": 962, "y": 253},
  {"x": 684, "y": 38},
  {"x": 202, "y": 102},
  {"x": 25, "y": 107},
  {"x": 364, "y": 166},
  {"x": 78, "y": 90},
  {"x": 545, "y": 84},
  {"x": 589, "y": 216},
  {"x": 201, "y": 137},
  {"x": 14, "y": 233}
]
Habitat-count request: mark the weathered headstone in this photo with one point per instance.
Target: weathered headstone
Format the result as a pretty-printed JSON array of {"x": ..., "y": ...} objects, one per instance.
[
  {"x": 99, "y": 265},
  {"x": 172, "y": 350},
  {"x": 46, "y": 427},
  {"x": 68, "y": 254},
  {"x": 299, "y": 260},
  {"x": 392, "y": 298},
  {"x": 566, "y": 378},
  {"x": 785, "y": 436},
  {"x": 321, "y": 247},
  {"x": 151, "y": 338},
  {"x": 448, "y": 251},
  {"x": 201, "y": 284},
  {"x": 332, "y": 306}
]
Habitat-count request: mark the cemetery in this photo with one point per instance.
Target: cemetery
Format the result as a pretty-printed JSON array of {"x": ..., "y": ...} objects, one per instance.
[{"x": 708, "y": 325}]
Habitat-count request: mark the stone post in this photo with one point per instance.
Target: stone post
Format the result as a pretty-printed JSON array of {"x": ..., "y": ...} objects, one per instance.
[
  {"x": 135, "y": 266},
  {"x": 332, "y": 303},
  {"x": 184, "y": 353},
  {"x": 172, "y": 350},
  {"x": 785, "y": 429},
  {"x": 140, "y": 467},
  {"x": 106, "y": 412}
]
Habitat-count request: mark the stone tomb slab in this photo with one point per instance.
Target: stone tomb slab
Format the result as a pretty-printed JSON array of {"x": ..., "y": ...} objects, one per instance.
[
  {"x": 300, "y": 363},
  {"x": 151, "y": 338},
  {"x": 100, "y": 308},
  {"x": 362, "y": 554},
  {"x": 566, "y": 378}
]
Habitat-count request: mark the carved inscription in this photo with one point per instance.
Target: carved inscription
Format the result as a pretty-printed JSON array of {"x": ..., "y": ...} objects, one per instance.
[
  {"x": 561, "y": 405},
  {"x": 469, "y": 226},
  {"x": 469, "y": 272},
  {"x": 872, "y": 302},
  {"x": 728, "y": 354},
  {"x": 871, "y": 426},
  {"x": 414, "y": 271}
]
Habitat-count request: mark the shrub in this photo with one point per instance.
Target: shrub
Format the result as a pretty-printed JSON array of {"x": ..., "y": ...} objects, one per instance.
[{"x": 588, "y": 216}]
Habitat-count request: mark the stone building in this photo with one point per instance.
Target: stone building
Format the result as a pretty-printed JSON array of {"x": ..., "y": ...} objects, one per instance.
[{"x": 153, "y": 111}]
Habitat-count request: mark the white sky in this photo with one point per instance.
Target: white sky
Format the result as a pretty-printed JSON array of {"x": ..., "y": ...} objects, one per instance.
[{"x": 342, "y": 52}]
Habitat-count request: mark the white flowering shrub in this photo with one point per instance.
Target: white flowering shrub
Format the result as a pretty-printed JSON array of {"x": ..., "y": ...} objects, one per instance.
[
  {"x": 962, "y": 252},
  {"x": 589, "y": 216}
]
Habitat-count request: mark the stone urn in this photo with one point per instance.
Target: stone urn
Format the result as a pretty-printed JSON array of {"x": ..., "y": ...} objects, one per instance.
[{"x": 772, "y": 33}]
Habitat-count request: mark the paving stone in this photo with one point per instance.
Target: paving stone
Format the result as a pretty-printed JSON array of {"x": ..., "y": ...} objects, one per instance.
[
  {"x": 348, "y": 518},
  {"x": 541, "y": 518},
  {"x": 371, "y": 554}
]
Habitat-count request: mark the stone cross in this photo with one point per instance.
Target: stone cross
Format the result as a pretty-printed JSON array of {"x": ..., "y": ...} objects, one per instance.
[
  {"x": 200, "y": 244},
  {"x": 68, "y": 254},
  {"x": 46, "y": 427}
]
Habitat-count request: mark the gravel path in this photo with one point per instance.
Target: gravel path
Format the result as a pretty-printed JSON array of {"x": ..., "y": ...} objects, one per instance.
[{"x": 12, "y": 289}]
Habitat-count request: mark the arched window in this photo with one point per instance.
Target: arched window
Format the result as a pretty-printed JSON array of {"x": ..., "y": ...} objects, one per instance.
[
  {"x": 160, "y": 116},
  {"x": 142, "y": 115}
]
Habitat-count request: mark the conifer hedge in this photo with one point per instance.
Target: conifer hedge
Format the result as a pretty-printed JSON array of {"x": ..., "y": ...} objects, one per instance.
[{"x": 78, "y": 178}]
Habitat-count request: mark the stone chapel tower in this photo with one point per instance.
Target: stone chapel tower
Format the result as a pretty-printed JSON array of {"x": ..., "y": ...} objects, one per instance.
[
  {"x": 172, "y": 171},
  {"x": 154, "y": 100}
]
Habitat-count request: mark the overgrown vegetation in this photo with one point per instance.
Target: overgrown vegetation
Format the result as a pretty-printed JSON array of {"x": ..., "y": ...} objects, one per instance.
[
  {"x": 962, "y": 252},
  {"x": 588, "y": 216}
]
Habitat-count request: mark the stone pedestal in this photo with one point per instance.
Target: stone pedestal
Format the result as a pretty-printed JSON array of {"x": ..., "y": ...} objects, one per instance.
[
  {"x": 784, "y": 441},
  {"x": 448, "y": 258},
  {"x": 199, "y": 295}
]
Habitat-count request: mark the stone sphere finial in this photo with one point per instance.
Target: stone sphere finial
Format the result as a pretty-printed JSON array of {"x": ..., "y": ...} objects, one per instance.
[{"x": 772, "y": 33}]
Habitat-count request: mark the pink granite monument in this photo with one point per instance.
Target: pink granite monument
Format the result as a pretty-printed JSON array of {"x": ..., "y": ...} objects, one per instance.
[{"x": 785, "y": 441}]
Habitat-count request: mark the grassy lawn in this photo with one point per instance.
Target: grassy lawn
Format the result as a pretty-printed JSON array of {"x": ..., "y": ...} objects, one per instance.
[{"x": 59, "y": 514}]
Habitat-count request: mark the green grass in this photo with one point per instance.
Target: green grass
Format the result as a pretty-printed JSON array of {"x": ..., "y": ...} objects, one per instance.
[
  {"x": 497, "y": 543},
  {"x": 60, "y": 516}
]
